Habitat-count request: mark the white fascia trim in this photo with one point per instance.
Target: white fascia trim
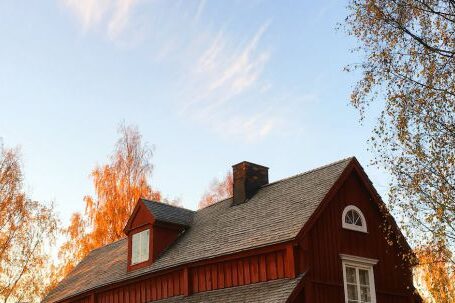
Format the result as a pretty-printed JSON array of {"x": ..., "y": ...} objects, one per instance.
[{"x": 357, "y": 259}]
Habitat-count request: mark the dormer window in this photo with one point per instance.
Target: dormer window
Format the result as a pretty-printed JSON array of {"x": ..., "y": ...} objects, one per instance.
[
  {"x": 151, "y": 229},
  {"x": 353, "y": 219},
  {"x": 140, "y": 247}
]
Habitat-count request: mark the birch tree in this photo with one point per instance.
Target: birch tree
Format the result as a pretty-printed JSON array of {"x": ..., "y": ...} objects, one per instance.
[
  {"x": 217, "y": 191},
  {"x": 407, "y": 68},
  {"x": 118, "y": 186},
  {"x": 26, "y": 229}
]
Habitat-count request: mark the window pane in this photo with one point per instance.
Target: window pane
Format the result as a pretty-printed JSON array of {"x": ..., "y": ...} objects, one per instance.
[
  {"x": 350, "y": 275},
  {"x": 363, "y": 277},
  {"x": 352, "y": 292},
  {"x": 353, "y": 217},
  {"x": 365, "y": 294},
  {"x": 135, "y": 248},
  {"x": 145, "y": 246},
  {"x": 357, "y": 219},
  {"x": 140, "y": 247},
  {"x": 349, "y": 219},
  {"x": 358, "y": 284}
]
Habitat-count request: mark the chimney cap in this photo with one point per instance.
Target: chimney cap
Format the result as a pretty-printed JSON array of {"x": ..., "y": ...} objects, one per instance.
[{"x": 249, "y": 164}]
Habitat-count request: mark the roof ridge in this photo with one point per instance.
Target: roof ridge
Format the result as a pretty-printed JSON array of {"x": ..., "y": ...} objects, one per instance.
[
  {"x": 310, "y": 171},
  {"x": 109, "y": 244},
  {"x": 205, "y": 207},
  {"x": 166, "y": 204},
  {"x": 287, "y": 178}
]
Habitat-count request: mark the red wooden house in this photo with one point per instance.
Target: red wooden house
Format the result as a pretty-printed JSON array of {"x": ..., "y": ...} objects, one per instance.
[{"x": 315, "y": 237}]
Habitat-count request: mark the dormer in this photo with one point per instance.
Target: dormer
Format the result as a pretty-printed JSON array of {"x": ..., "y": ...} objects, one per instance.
[{"x": 151, "y": 229}]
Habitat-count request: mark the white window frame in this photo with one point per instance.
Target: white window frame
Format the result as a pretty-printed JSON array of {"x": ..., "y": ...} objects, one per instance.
[
  {"x": 138, "y": 240},
  {"x": 359, "y": 263},
  {"x": 345, "y": 225}
]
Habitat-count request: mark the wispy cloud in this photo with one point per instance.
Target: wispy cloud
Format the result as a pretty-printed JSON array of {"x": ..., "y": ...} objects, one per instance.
[
  {"x": 225, "y": 70},
  {"x": 200, "y": 10},
  {"x": 242, "y": 70},
  {"x": 89, "y": 12},
  {"x": 112, "y": 15},
  {"x": 222, "y": 81},
  {"x": 221, "y": 77},
  {"x": 120, "y": 17},
  {"x": 250, "y": 128}
]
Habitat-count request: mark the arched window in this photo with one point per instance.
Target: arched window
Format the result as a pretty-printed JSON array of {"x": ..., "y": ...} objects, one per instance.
[{"x": 353, "y": 219}]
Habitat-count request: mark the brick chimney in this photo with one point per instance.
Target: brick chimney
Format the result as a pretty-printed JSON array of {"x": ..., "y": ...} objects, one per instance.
[{"x": 248, "y": 178}]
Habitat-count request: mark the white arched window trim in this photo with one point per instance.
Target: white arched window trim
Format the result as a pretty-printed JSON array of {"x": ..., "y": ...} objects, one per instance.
[{"x": 362, "y": 228}]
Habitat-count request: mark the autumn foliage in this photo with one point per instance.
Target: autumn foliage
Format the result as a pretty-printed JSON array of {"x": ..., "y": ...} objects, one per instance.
[
  {"x": 217, "y": 191},
  {"x": 434, "y": 275},
  {"x": 118, "y": 186},
  {"x": 27, "y": 228},
  {"x": 407, "y": 68}
]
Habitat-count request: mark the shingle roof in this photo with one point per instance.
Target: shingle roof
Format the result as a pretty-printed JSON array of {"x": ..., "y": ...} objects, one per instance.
[
  {"x": 275, "y": 214},
  {"x": 277, "y": 291},
  {"x": 167, "y": 213}
]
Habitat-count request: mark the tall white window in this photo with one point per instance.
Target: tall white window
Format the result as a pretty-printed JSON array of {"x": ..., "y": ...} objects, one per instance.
[
  {"x": 358, "y": 279},
  {"x": 140, "y": 249},
  {"x": 353, "y": 219}
]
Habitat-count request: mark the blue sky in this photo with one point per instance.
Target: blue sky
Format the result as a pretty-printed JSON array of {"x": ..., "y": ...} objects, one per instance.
[{"x": 208, "y": 83}]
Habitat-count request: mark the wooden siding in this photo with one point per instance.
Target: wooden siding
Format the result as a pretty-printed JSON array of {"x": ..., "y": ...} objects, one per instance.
[
  {"x": 151, "y": 289},
  {"x": 248, "y": 270},
  {"x": 163, "y": 235},
  {"x": 86, "y": 299},
  {"x": 230, "y": 271},
  {"x": 320, "y": 250}
]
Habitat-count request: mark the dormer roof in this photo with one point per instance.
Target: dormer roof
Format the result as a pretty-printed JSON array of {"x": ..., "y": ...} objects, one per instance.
[
  {"x": 169, "y": 214},
  {"x": 160, "y": 212}
]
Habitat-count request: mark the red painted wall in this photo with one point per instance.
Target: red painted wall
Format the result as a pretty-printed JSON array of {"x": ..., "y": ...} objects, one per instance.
[
  {"x": 86, "y": 299},
  {"x": 163, "y": 235},
  {"x": 140, "y": 217},
  {"x": 245, "y": 268},
  {"x": 320, "y": 250},
  {"x": 248, "y": 270},
  {"x": 151, "y": 289}
]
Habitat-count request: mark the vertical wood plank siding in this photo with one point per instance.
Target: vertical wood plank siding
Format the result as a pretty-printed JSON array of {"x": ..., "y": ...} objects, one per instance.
[
  {"x": 83, "y": 300},
  {"x": 327, "y": 240},
  {"x": 151, "y": 289},
  {"x": 248, "y": 270},
  {"x": 205, "y": 277}
]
